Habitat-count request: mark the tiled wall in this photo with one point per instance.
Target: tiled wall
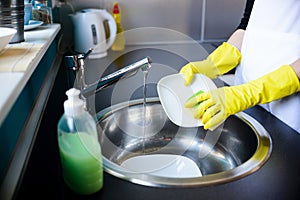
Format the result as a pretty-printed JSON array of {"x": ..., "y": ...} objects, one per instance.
[{"x": 202, "y": 20}]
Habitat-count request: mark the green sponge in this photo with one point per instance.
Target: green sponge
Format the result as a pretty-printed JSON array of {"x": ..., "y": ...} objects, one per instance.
[{"x": 197, "y": 93}]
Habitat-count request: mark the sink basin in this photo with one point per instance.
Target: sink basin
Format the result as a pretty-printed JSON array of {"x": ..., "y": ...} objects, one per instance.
[{"x": 141, "y": 145}]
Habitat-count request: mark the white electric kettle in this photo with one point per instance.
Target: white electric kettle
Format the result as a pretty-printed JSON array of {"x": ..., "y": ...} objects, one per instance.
[{"x": 89, "y": 31}]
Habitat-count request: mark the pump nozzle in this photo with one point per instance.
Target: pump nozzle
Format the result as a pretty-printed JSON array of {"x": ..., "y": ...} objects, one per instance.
[{"x": 73, "y": 105}]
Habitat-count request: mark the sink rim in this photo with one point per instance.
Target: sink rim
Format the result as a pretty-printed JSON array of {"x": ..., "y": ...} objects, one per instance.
[{"x": 257, "y": 160}]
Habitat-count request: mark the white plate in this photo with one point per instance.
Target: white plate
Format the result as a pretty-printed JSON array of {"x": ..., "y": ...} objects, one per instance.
[
  {"x": 32, "y": 25},
  {"x": 173, "y": 94},
  {"x": 164, "y": 165}
]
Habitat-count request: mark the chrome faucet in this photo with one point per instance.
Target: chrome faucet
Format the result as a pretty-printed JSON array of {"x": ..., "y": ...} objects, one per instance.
[
  {"x": 76, "y": 63},
  {"x": 76, "y": 67}
]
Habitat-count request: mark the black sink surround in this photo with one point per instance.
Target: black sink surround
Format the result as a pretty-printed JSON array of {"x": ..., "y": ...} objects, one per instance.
[{"x": 278, "y": 178}]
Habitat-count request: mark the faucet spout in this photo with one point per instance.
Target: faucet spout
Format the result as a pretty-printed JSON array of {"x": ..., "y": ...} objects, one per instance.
[{"x": 143, "y": 64}]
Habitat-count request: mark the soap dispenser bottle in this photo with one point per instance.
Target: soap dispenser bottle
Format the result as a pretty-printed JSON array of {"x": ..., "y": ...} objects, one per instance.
[
  {"x": 79, "y": 148},
  {"x": 119, "y": 43}
]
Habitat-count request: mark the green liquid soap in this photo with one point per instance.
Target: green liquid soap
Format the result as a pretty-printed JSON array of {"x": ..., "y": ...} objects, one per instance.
[{"x": 81, "y": 162}]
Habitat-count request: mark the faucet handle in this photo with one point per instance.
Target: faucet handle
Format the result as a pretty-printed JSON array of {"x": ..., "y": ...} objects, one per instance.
[
  {"x": 85, "y": 55},
  {"x": 75, "y": 61}
]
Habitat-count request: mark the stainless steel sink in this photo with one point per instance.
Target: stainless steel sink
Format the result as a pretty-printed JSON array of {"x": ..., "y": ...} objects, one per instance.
[{"x": 235, "y": 150}]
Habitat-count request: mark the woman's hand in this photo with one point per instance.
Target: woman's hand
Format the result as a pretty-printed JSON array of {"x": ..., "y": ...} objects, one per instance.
[{"x": 213, "y": 107}]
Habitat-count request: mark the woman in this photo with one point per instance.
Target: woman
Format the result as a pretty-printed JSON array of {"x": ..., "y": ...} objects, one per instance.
[{"x": 266, "y": 51}]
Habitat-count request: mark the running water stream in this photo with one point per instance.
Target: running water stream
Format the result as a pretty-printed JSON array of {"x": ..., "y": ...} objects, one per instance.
[
  {"x": 144, "y": 118},
  {"x": 164, "y": 165}
]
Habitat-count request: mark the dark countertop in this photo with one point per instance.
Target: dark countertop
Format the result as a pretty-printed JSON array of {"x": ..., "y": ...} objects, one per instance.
[{"x": 278, "y": 178}]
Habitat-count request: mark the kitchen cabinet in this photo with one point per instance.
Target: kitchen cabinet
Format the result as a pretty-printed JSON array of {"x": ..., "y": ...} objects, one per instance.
[{"x": 24, "y": 93}]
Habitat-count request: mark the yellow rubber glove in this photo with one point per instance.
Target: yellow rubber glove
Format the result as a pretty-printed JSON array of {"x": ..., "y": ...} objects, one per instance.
[
  {"x": 215, "y": 106},
  {"x": 221, "y": 60}
]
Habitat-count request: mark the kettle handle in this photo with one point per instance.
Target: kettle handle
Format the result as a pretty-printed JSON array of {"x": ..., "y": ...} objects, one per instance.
[{"x": 112, "y": 28}]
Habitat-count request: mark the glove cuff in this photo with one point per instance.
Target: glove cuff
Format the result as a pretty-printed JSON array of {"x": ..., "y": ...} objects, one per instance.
[
  {"x": 225, "y": 58},
  {"x": 208, "y": 67},
  {"x": 275, "y": 85},
  {"x": 287, "y": 80}
]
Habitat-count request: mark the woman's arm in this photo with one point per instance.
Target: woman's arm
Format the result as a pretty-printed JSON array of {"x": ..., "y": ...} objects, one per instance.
[
  {"x": 296, "y": 66},
  {"x": 236, "y": 39},
  {"x": 247, "y": 12}
]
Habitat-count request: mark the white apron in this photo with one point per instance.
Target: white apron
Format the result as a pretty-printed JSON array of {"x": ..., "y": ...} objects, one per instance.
[{"x": 272, "y": 39}]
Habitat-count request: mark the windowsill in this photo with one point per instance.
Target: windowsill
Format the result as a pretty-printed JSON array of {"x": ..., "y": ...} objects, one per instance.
[{"x": 13, "y": 82}]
